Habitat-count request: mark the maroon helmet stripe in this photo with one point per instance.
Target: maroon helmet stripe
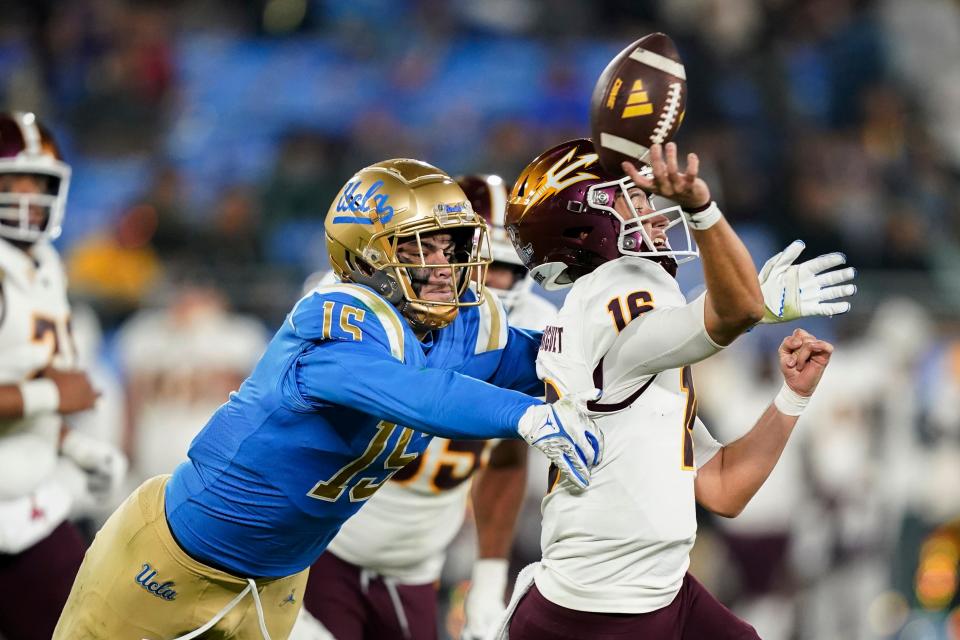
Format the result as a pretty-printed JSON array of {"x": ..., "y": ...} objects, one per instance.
[{"x": 30, "y": 132}]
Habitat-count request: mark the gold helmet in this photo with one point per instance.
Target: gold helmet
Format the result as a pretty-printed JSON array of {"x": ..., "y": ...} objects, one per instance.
[{"x": 395, "y": 201}]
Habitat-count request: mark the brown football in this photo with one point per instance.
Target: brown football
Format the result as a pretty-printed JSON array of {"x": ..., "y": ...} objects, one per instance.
[{"x": 638, "y": 101}]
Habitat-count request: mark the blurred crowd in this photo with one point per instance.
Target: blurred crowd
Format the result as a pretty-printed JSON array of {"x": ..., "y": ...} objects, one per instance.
[{"x": 209, "y": 137}]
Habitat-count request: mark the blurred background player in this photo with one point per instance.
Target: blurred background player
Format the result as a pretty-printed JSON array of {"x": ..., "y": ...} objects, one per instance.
[
  {"x": 615, "y": 560},
  {"x": 506, "y": 275},
  {"x": 181, "y": 360},
  {"x": 45, "y": 466},
  {"x": 388, "y": 558},
  {"x": 407, "y": 338}
]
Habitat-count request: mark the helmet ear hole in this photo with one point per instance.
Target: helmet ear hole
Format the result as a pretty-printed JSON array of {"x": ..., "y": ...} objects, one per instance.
[{"x": 361, "y": 265}]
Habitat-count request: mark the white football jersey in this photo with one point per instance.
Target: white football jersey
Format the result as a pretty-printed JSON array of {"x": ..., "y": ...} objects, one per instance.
[
  {"x": 404, "y": 529},
  {"x": 34, "y": 334},
  {"x": 623, "y": 545}
]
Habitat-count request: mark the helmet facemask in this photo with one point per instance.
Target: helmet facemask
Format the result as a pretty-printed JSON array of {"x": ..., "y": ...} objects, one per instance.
[
  {"x": 402, "y": 278},
  {"x": 634, "y": 239},
  {"x": 29, "y": 217}
]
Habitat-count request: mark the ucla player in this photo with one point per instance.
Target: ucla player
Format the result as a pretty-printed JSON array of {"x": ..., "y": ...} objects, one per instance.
[
  {"x": 615, "y": 559},
  {"x": 408, "y": 344},
  {"x": 378, "y": 577},
  {"x": 43, "y": 466}
]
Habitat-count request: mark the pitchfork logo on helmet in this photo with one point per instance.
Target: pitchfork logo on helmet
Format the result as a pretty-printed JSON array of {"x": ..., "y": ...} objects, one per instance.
[
  {"x": 563, "y": 219},
  {"x": 30, "y": 209},
  {"x": 397, "y": 201}
]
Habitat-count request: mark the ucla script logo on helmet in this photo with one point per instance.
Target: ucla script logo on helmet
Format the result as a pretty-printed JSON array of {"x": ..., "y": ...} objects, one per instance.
[
  {"x": 558, "y": 177},
  {"x": 354, "y": 201}
]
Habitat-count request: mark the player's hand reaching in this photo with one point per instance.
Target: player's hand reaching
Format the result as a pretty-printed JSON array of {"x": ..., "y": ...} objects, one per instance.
[
  {"x": 803, "y": 359},
  {"x": 792, "y": 291},
  {"x": 685, "y": 187},
  {"x": 566, "y": 435}
]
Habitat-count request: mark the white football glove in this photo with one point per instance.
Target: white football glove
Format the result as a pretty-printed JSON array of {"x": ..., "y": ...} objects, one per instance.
[
  {"x": 792, "y": 291},
  {"x": 484, "y": 605},
  {"x": 104, "y": 465},
  {"x": 566, "y": 435}
]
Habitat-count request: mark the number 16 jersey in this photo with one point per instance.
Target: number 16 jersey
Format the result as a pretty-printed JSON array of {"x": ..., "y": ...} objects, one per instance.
[{"x": 622, "y": 546}]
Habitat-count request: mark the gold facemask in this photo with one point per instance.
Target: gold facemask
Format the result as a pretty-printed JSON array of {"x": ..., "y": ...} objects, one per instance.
[{"x": 396, "y": 201}]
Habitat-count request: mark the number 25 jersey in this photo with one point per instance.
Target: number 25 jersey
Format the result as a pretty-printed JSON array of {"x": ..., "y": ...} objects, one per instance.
[{"x": 623, "y": 545}]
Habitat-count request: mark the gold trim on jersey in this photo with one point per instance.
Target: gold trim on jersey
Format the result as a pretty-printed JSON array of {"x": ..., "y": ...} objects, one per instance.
[{"x": 492, "y": 329}]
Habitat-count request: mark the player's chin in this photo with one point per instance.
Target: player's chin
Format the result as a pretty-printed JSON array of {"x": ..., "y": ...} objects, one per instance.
[{"x": 438, "y": 295}]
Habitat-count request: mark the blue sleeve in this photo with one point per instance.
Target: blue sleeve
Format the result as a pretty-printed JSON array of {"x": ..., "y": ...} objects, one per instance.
[
  {"x": 518, "y": 363},
  {"x": 364, "y": 377}
]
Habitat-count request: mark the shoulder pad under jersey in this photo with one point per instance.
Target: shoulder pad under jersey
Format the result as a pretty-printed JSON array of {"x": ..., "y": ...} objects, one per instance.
[
  {"x": 490, "y": 320},
  {"x": 350, "y": 313}
]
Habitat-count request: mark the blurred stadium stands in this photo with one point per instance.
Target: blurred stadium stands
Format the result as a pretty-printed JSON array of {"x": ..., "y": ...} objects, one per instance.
[{"x": 209, "y": 137}]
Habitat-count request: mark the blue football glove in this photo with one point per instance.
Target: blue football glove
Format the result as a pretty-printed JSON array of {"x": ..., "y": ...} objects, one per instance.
[{"x": 566, "y": 435}]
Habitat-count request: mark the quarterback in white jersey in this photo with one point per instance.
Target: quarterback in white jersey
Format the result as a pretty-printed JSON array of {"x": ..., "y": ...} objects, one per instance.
[
  {"x": 622, "y": 547},
  {"x": 391, "y": 553},
  {"x": 43, "y": 468}
]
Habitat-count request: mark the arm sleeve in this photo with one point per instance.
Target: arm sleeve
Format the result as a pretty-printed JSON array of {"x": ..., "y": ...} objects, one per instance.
[
  {"x": 518, "y": 363},
  {"x": 443, "y": 403},
  {"x": 667, "y": 337}
]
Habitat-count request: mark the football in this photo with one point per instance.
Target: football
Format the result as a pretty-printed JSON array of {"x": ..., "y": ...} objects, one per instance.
[{"x": 638, "y": 101}]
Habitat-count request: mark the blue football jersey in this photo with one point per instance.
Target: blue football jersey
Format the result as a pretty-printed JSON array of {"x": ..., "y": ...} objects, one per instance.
[{"x": 344, "y": 396}]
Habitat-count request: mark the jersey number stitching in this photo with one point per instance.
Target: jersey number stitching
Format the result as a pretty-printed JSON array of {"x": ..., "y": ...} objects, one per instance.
[
  {"x": 689, "y": 417},
  {"x": 331, "y": 490},
  {"x": 456, "y": 456},
  {"x": 637, "y": 303},
  {"x": 347, "y": 313}
]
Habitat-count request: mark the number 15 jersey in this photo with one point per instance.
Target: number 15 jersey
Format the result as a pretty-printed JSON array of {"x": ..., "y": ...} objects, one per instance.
[{"x": 622, "y": 546}]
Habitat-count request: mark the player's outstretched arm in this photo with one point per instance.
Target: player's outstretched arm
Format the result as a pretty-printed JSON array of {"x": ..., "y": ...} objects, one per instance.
[
  {"x": 734, "y": 302},
  {"x": 726, "y": 483},
  {"x": 792, "y": 291},
  {"x": 447, "y": 404},
  {"x": 497, "y": 497}
]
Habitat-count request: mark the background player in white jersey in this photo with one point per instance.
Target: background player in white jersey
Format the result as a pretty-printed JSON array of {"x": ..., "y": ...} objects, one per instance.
[
  {"x": 615, "y": 559},
  {"x": 378, "y": 578},
  {"x": 40, "y": 463}
]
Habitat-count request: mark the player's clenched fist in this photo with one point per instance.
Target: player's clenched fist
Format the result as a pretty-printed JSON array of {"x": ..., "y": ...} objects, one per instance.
[
  {"x": 566, "y": 435},
  {"x": 803, "y": 359}
]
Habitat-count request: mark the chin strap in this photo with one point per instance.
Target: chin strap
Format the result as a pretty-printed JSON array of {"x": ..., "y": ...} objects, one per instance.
[{"x": 382, "y": 284}]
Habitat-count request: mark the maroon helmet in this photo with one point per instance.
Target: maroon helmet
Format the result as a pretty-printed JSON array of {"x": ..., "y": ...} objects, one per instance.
[
  {"x": 27, "y": 148},
  {"x": 562, "y": 219}
]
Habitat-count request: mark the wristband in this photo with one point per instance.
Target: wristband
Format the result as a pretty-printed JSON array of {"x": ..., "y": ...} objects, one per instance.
[
  {"x": 491, "y": 573},
  {"x": 39, "y": 396},
  {"x": 789, "y": 402},
  {"x": 703, "y": 218}
]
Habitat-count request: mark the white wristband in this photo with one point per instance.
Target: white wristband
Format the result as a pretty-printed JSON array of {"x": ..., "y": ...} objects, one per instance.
[
  {"x": 703, "y": 220},
  {"x": 39, "y": 396},
  {"x": 789, "y": 402},
  {"x": 490, "y": 574}
]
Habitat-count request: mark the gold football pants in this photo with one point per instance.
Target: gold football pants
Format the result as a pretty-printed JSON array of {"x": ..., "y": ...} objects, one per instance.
[{"x": 137, "y": 583}]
